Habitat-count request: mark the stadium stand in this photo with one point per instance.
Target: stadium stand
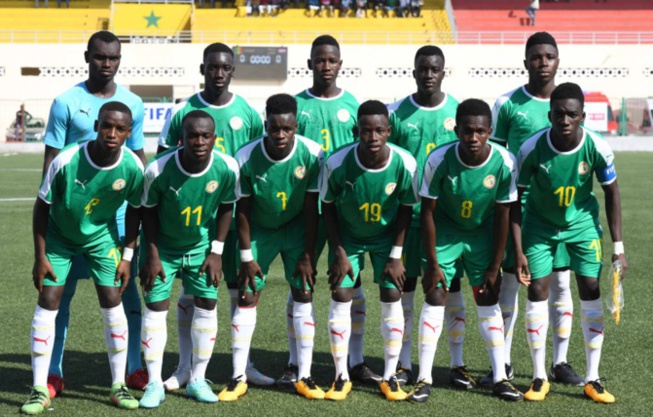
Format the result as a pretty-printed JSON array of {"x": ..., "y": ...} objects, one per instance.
[{"x": 561, "y": 16}]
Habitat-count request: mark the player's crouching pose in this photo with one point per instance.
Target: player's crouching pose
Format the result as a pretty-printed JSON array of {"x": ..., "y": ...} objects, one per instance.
[
  {"x": 183, "y": 190},
  {"x": 467, "y": 190},
  {"x": 75, "y": 213},
  {"x": 277, "y": 214},
  {"x": 368, "y": 190},
  {"x": 558, "y": 165}
]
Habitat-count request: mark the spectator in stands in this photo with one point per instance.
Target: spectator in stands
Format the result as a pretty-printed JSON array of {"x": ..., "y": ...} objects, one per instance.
[
  {"x": 361, "y": 7},
  {"x": 532, "y": 9},
  {"x": 273, "y": 7},
  {"x": 59, "y": 3},
  {"x": 22, "y": 116},
  {"x": 415, "y": 8},
  {"x": 345, "y": 6},
  {"x": 404, "y": 8},
  {"x": 263, "y": 6},
  {"x": 312, "y": 7},
  {"x": 326, "y": 8},
  {"x": 390, "y": 6}
]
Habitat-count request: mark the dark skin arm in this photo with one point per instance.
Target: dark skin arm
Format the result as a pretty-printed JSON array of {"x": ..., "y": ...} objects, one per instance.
[
  {"x": 248, "y": 270},
  {"x": 491, "y": 280},
  {"x": 132, "y": 223},
  {"x": 613, "y": 213},
  {"x": 306, "y": 264},
  {"x": 213, "y": 262},
  {"x": 48, "y": 157},
  {"x": 141, "y": 155},
  {"x": 433, "y": 275},
  {"x": 341, "y": 266},
  {"x": 394, "y": 268},
  {"x": 522, "y": 272},
  {"x": 152, "y": 267},
  {"x": 42, "y": 266}
]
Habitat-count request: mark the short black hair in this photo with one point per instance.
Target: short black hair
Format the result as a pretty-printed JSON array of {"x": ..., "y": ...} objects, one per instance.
[
  {"x": 540, "y": 38},
  {"x": 115, "y": 106},
  {"x": 324, "y": 40},
  {"x": 372, "y": 108},
  {"x": 196, "y": 114},
  {"x": 217, "y": 48},
  {"x": 429, "y": 50},
  {"x": 568, "y": 91},
  {"x": 281, "y": 104},
  {"x": 104, "y": 36},
  {"x": 473, "y": 107}
]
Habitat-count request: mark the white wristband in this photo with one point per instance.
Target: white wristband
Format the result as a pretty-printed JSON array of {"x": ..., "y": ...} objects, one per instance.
[
  {"x": 246, "y": 255},
  {"x": 618, "y": 248},
  {"x": 127, "y": 254},
  {"x": 396, "y": 252},
  {"x": 217, "y": 247}
]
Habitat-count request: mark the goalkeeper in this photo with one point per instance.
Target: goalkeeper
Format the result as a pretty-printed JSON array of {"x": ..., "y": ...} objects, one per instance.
[{"x": 558, "y": 164}]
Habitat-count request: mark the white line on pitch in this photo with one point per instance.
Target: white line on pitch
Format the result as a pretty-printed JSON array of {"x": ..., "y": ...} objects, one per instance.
[
  {"x": 21, "y": 169},
  {"x": 16, "y": 199}
]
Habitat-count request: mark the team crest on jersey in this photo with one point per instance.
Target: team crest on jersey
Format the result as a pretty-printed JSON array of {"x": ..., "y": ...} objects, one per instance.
[
  {"x": 390, "y": 188},
  {"x": 583, "y": 168},
  {"x": 343, "y": 115},
  {"x": 119, "y": 184},
  {"x": 489, "y": 182},
  {"x": 211, "y": 186},
  {"x": 449, "y": 123},
  {"x": 236, "y": 123},
  {"x": 300, "y": 172}
]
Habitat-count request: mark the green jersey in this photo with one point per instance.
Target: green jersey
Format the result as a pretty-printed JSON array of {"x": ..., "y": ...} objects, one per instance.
[
  {"x": 187, "y": 203},
  {"x": 277, "y": 189},
  {"x": 561, "y": 182},
  {"x": 236, "y": 123},
  {"x": 467, "y": 194},
  {"x": 420, "y": 130},
  {"x": 366, "y": 199},
  {"x": 327, "y": 121},
  {"x": 518, "y": 115},
  {"x": 84, "y": 197}
]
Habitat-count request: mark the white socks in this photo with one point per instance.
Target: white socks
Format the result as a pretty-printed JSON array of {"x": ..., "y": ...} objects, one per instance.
[
  {"x": 154, "y": 335},
  {"x": 340, "y": 328},
  {"x": 42, "y": 340},
  {"x": 490, "y": 323},
  {"x": 185, "y": 309},
  {"x": 358, "y": 316},
  {"x": 116, "y": 336},
  {"x": 561, "y": 314},
  {"x": 407, "y": 303},
  {"x": 537, "y": 324},
  {"x": 392, "y": 330},
  {"x": 242, "y": 329},
  {"x": 509, "y": 303},
  {"x": 203, "y": 332},
  {"x": 304, "y": 324},
  {"x": 290, "y": 327},
  {"x": 430, "y": 329},
  {"x": 455, "y": 314},
  {"x": 592, "y": 322}
]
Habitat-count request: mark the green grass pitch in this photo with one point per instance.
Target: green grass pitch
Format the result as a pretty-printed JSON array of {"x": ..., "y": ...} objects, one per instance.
[{"x": 626, "y": 365}]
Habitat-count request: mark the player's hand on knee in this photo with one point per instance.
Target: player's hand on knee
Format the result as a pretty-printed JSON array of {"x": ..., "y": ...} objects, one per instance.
[
  {"x": 150, "y": 272},
  {"x": 624, "y": 264},
  {"x": 42, "y": 268},
  {"x": 522, "y": 272},
  {"x": 433, "y": 276},
  {"x": 247, "y": 276},
  {"x": 306, "y": 272},
  {"x": 213, "y": 265},
  {"x": 122, "y": 275},
  {"x": 491, "y": 283},
  {"x": 394, "y": 269},
  {"x": 340, "y": 268}
]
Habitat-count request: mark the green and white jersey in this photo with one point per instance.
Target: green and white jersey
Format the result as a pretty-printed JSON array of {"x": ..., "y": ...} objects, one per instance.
[
  {"x": 187, "y": 203},
  {"x": 561, "y": 182},
  {"x": 236, "y": 123},
  {"x": 327, "y": 121},
  {"x": 277, "y": 189},
  {"x": 84, "y": 197},
  {"x": 366, "y": 199},
  {"x": 467, "y": 194},
  {"x": 420, "y": 130},
  {"x": 518, "y": 115}
]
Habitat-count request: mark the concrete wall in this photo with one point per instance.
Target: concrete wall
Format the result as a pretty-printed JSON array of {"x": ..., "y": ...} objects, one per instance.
[{"x": 380, "y": 72}]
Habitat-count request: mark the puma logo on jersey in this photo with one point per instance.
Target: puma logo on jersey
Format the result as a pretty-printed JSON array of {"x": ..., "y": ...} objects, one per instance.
[
  {"x": 546, "y": 168},
  {"x": 175, "y": 191},
  {"x": 262, "y": 178},
  {"x": 414, "y": 126},
  {"x": 522, "y": 114},
  {"x": 306, "y": 114},
  {"x": 453, "y": 180},
  {"x": 351, "y": 184},
  {"x": 86, "y": 112},
  {"x": 82, "y": 184}
]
